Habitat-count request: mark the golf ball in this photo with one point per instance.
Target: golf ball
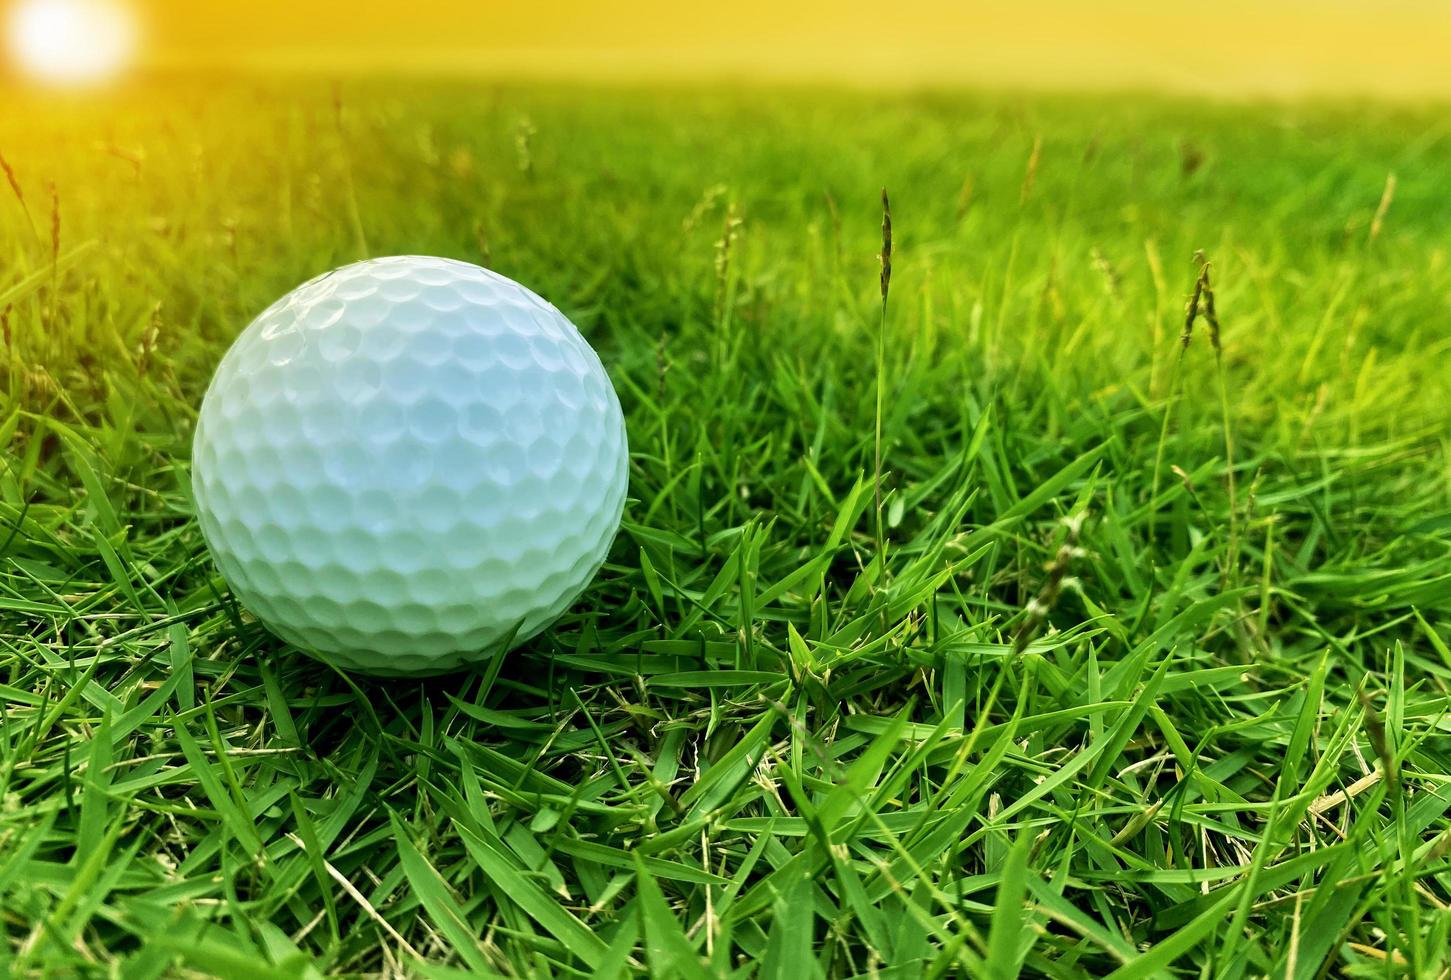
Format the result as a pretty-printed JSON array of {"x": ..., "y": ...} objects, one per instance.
[{"x": 407, "y": 462}]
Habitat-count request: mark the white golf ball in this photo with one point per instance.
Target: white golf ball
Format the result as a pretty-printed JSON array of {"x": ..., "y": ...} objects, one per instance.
[{"x": 408, "y": 461}]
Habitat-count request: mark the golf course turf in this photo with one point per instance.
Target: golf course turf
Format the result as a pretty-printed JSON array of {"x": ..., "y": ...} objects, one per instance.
[{"x": 1005, "y": 624}]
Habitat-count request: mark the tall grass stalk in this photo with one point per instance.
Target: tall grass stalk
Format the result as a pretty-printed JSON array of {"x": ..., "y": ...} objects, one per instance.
[
  {"x": 15, "y": 189},
  {"x": 54, "y": 307},
  {"x": 1205, "y": 288},
  {"x": 1186, "y": 335},
  {"x": 1201, "y": 305},
  {"x": 886, "y": 284},
  {"x": 724, "y": 258}
]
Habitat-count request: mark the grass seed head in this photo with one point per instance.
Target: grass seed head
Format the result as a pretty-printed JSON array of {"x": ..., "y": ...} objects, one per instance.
[
  {"x": 1040, "y": 605},
  {"x": 662, "y": 363},
  {"x": 724, "y": 248},
  {"x": 1191, "y": 313},
  {"x": 1376, "y": 732},
  {"x": 15, "y": 189},
  {"x": 1106, "y": 269},
  {"x": 1201, "y": 304},
  {"x": 1208, "y": 312},
  {"x": 524, "y": 145},
  {"x": 147, "y": 348},
  {"x": 886, "y": 256},
  {"x": 14, "y": 183}
]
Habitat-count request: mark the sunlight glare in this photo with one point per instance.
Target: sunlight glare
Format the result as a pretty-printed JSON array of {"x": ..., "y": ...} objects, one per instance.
[{"x": 71, "y": 42}]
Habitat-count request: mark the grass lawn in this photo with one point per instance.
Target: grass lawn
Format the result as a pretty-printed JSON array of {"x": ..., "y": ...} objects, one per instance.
[{"x": 1131, "y": 656}]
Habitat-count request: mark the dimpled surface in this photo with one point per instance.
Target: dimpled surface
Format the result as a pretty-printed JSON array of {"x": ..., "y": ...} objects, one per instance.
[{"x": 403, "y": 462}]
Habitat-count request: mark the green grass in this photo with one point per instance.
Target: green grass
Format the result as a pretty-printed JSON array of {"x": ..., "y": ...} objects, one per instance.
[{"x": 1215, "y": 745}]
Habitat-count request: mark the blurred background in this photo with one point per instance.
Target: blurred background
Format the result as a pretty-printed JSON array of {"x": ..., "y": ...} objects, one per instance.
[{"x": 1392, "y": 48}]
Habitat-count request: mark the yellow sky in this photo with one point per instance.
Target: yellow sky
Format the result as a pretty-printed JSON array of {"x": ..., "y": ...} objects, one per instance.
[{"x": 1373, "y": 47}]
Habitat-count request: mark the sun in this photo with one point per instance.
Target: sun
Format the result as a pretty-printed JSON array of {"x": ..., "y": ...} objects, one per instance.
[{"x": 71, "y": 42}]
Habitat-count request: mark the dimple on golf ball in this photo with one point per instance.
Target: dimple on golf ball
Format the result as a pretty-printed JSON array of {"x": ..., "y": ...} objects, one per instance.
[{"x": 407, "y": 462}]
